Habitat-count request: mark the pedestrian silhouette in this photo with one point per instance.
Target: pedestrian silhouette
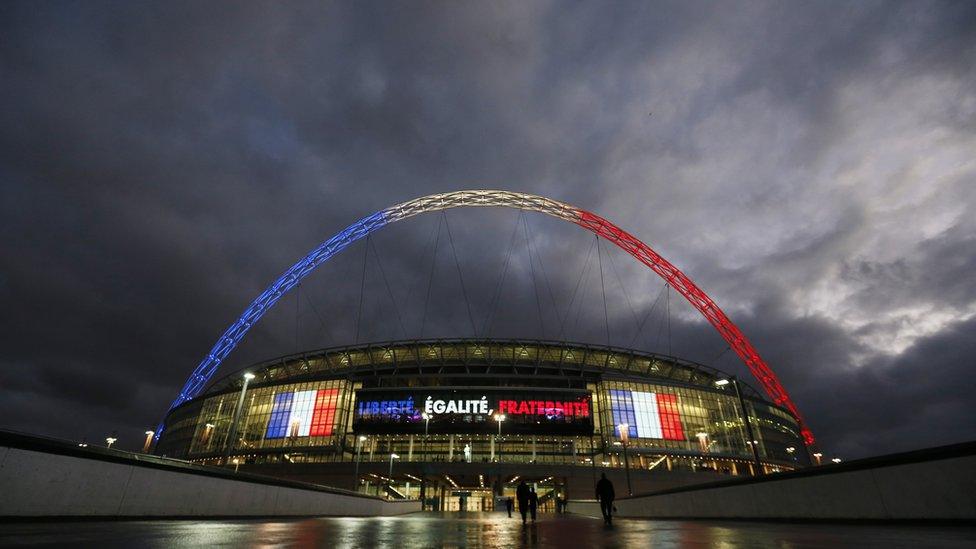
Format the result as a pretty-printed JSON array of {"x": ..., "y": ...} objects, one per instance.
[
  {"x": 604, "y": 493},
  {"x": 522, "y": 495},
  {"x": 533, "y": 502},
  {"x": 508, "y": 506}
]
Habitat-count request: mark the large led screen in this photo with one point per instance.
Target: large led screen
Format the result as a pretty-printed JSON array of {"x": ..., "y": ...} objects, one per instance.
[
  {"x": 527, "y": 411},
  {"x": 302, "y": 414},
  {"x": 648, "y": 415}
]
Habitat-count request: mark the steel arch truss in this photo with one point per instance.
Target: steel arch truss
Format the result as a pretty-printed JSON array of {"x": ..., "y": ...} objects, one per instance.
[{"x": 488, "y": 198}]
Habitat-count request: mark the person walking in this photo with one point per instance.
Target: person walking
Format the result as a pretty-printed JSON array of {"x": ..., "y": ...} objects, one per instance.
[
  {"x": 522, "y": 495},
  {"x": 604, "y": 493},
  {"x": 508, "y": 506},
  {"x": 533, "y": 502}
]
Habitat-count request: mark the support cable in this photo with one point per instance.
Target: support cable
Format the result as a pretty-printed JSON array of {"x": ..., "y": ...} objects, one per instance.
[
  {"x": 545, "y": 276},
  {"x": 457, "y": 265},
  {"x": 298, "y": 308},
  {"x": 535, "y": 286},
  {"x": 640, "y": 327},
  {"x": 362, "y": 289},
  {"x": 668, "y": 302},
  {"x": 579, "y": 280},
  {"x": 603, "y": 289},
  {"x": 389, "y": 290},
  {"x": 430, "y": 278},
  {"x": 582, "y": 299},
  {"x": 329, "y": 342},
  {"x": 662, "y": 323},
  {"x": 623, "y": 290},
  {"x": 714, "y": 362},
  {"x": 501, "y": 281},
  {"x": 413, "y": 289}
]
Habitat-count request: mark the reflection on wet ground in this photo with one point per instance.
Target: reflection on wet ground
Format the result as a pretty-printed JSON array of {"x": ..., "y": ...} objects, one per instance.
[{"x": 474, "y": 530}]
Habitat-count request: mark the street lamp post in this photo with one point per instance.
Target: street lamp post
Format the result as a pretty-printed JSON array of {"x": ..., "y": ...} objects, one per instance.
[
  {"x": 208, "y": 431},
  {"x": 593, "y": 458},
  {"x": 499, "y": 418},
  {"x": 359, "y": 450},
  {"x": 248, "y": 376},
  {"x": 624, "y": 430},
  {"x": 818, "y": 456},
  {"x": 752, "y": 442},
  {"x": 393, "y": 456},
  {"x": 109, "y": 441},
  {"x": 149, "y": 437},
  {"x": 426, "y": 417},
  {"x": 423, "y": 472}
]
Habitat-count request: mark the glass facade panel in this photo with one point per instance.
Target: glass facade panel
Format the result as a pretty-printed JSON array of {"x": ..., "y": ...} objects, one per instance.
[
  {"x": 325, "y": 410},
  {"x": 670, "y": 419},
  {"x": 278, "y": 425}
]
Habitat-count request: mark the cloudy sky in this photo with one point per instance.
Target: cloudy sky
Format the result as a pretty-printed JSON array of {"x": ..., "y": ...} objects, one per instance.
[{"x": 812, "y": 165}]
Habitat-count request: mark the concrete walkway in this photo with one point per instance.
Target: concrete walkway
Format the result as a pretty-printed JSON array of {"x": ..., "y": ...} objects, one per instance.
[{"x": 474, "y": 530}]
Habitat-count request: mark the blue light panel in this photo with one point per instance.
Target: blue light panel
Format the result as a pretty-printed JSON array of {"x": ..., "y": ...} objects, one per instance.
[{"x": 280, "y": 413}]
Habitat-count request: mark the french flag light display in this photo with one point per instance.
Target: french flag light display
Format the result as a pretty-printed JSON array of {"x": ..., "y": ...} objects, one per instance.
[
  {"x": 648, "y": 415},
  {"x": 303, "y": 414}
]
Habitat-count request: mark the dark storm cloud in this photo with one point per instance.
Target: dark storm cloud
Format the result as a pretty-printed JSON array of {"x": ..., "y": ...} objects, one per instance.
[{"x": 810, "y": 166}]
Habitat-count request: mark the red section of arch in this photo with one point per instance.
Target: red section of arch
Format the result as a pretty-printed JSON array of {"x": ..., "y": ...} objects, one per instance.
[{"x": 690, "y": 291}]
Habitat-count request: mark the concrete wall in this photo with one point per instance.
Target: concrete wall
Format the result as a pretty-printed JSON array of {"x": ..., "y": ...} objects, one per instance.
[
  {"x": 45, "y": 484},
  {"x": 917, "y": 487},
  {"x": 588, "y": 507}
]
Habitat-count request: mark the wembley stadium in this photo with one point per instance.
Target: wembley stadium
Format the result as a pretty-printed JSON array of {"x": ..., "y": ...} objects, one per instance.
[{"x": 460, "y": 421}]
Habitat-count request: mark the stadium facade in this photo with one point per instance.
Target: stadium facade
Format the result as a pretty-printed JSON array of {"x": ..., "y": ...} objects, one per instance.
[{"x": 457, "y": 422}]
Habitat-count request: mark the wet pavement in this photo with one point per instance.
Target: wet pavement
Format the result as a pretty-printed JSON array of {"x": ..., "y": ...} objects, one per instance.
[{"x": 473, "y": 530}]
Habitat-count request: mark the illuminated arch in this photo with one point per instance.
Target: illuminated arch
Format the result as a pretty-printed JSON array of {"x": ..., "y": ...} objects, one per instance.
[{"x": 435, "y": 202}]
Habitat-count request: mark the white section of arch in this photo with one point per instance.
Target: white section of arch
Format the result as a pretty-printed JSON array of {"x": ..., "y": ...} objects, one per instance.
[{"x": 481, "y": 198}]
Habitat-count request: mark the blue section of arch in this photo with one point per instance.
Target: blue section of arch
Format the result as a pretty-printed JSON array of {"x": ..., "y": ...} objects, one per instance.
[{"x": 209, "y": 365}]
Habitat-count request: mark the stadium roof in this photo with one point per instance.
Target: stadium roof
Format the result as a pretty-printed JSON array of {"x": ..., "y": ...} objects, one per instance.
[{"x": 477, "y": 356}]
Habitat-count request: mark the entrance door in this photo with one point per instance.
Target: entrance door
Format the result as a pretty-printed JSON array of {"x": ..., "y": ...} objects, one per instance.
[{"x": 472, "y": 501}]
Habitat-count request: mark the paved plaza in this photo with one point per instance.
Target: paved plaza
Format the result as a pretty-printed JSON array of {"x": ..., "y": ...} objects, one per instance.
[{"x": 473, "y": 530}]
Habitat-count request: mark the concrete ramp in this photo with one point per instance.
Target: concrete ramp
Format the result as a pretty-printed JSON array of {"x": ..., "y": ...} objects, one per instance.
[
  {"x": 49, "y": 478},
  {"x": 935, "y": 484}
]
